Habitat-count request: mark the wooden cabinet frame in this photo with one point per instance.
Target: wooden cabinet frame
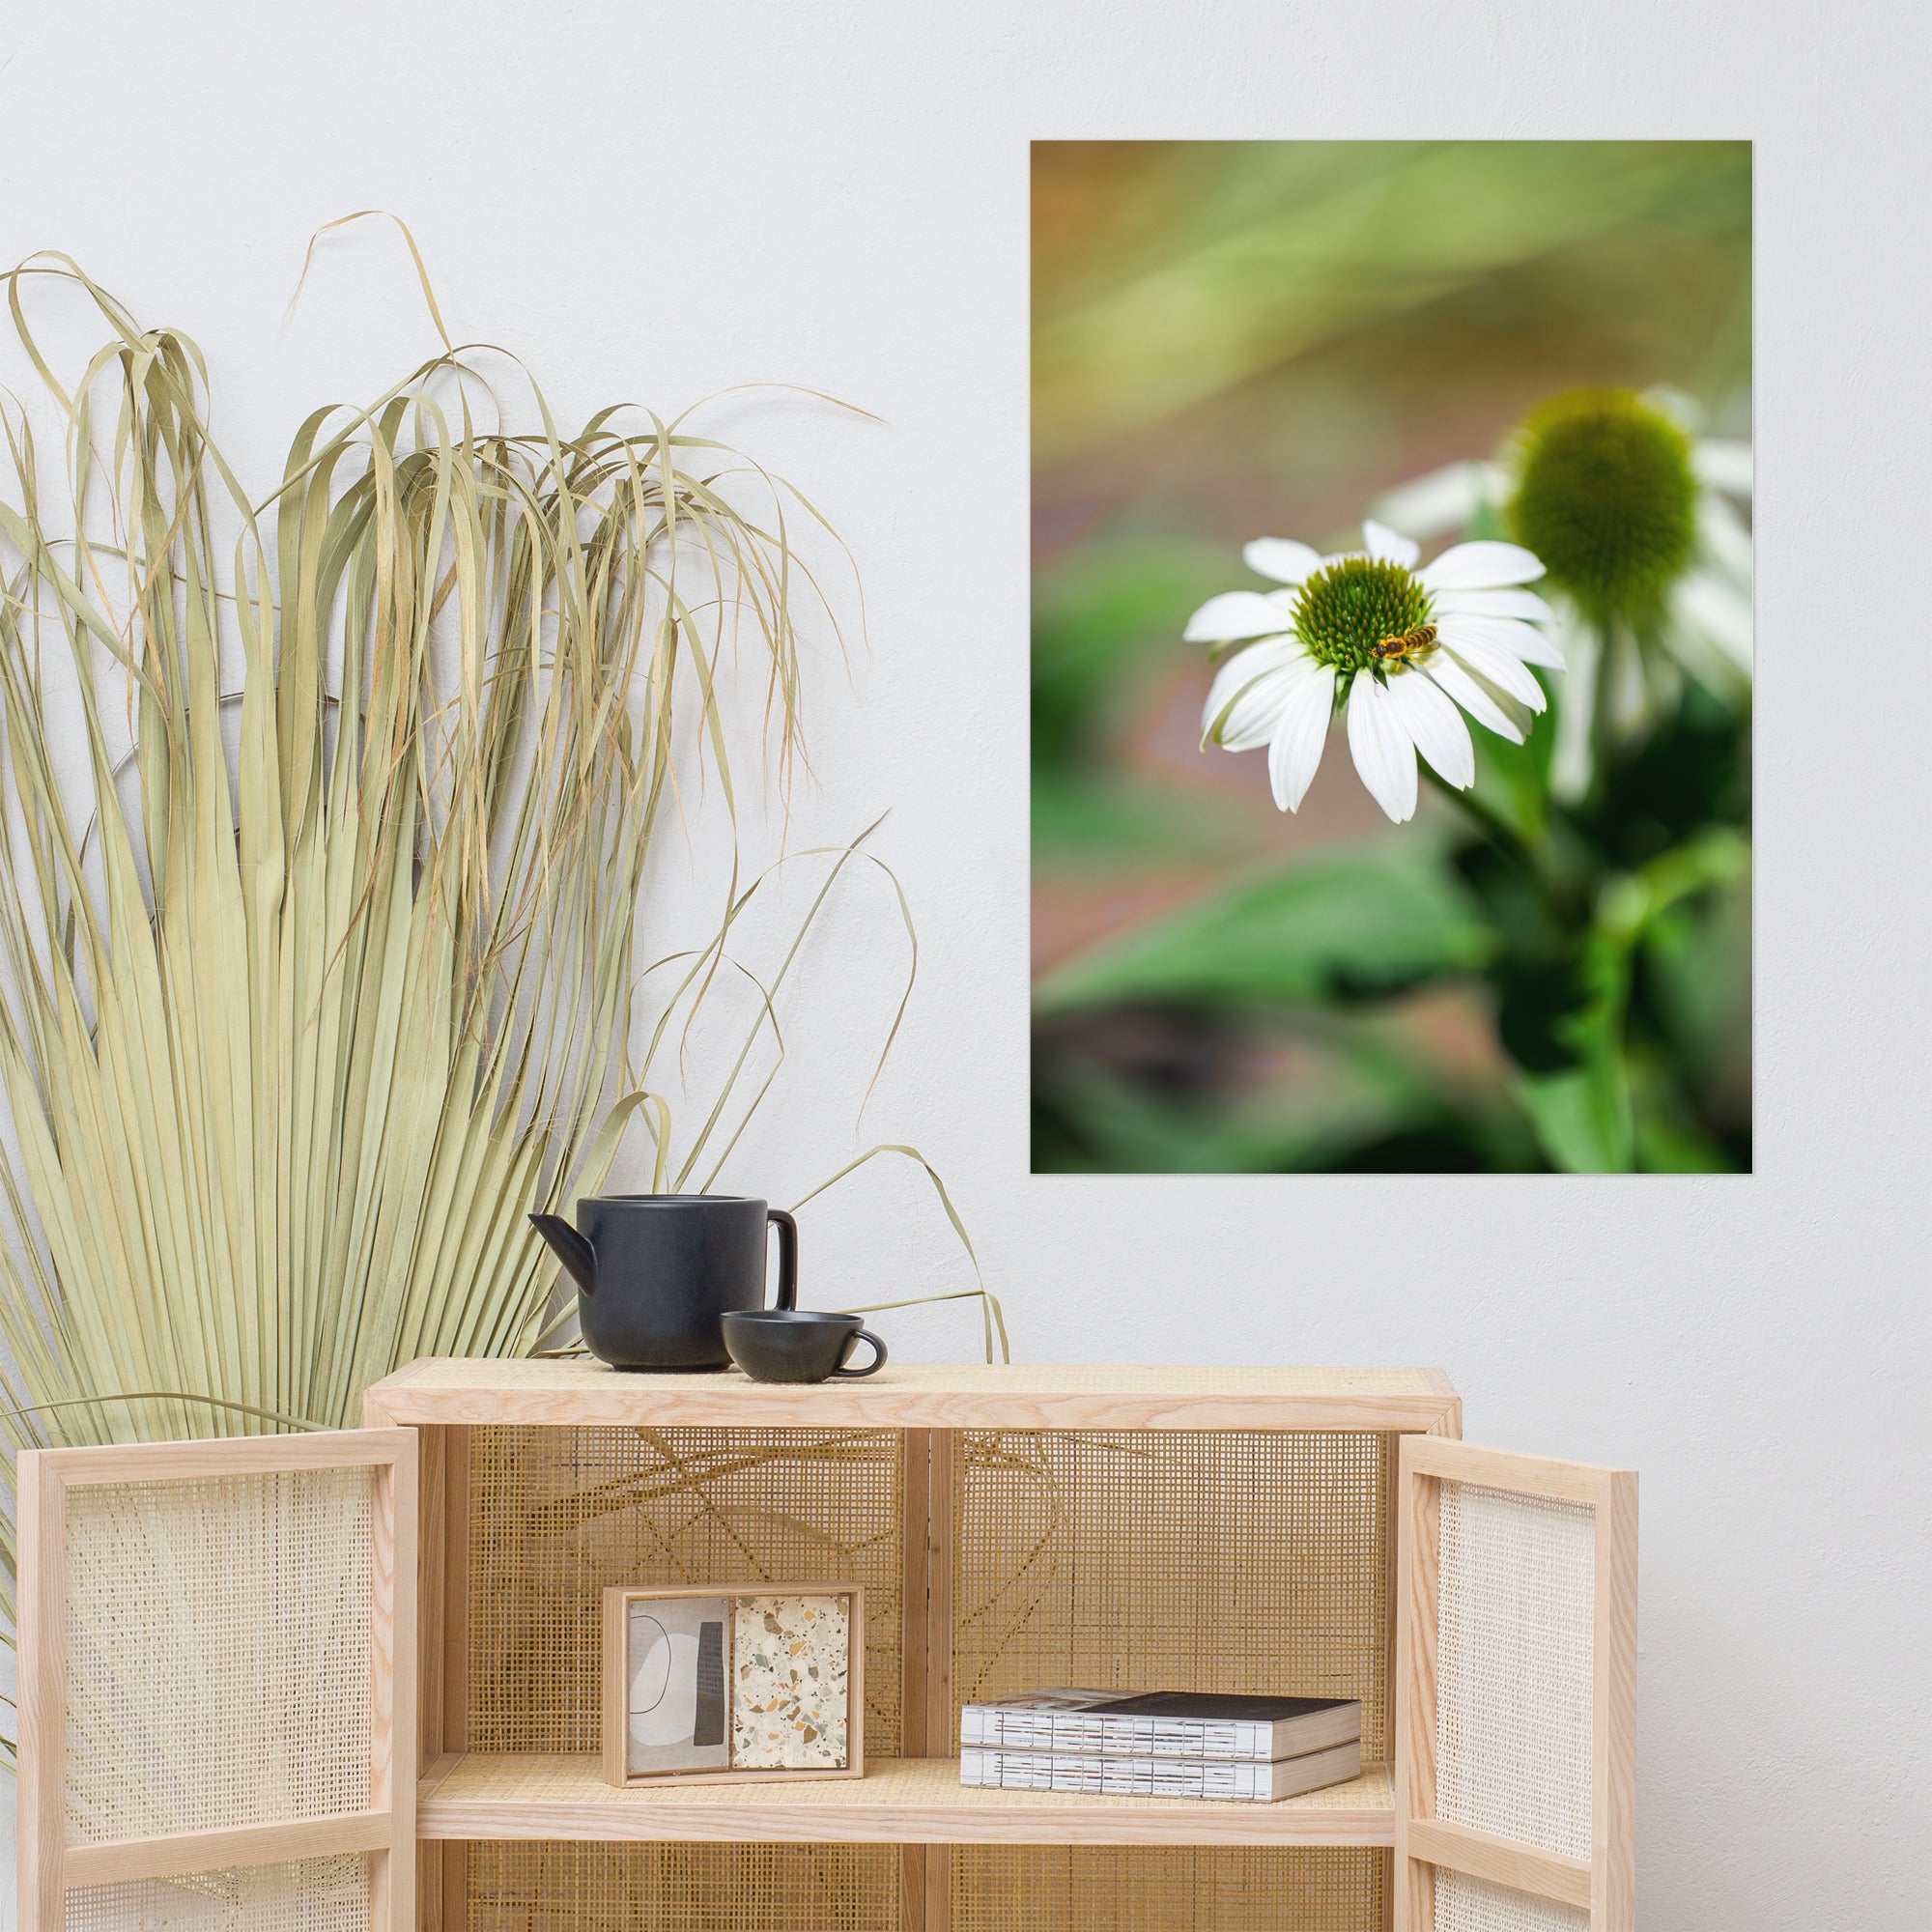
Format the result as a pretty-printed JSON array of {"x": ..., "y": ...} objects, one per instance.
[
  {"x": 418, "y": 1443},
  {"x": 49, "y": 1865},
  {"x": 915, "y": 1802},
  {"x": 1603, "y": 1884}
]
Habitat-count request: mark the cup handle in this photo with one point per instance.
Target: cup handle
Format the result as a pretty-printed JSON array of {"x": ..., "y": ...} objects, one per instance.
[
  {"x": 872, "y": 1367},
  {"x": 788, "y": 1256}
]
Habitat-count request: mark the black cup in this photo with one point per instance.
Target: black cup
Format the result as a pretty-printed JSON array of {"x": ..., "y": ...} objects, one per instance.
[{"x": 789, "y": 1344}]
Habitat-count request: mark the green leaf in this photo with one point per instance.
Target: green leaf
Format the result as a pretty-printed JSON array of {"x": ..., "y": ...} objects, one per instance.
[
  {"x": 1582, "y": 1118},
  {"x": 1084, "y": 822},
  {"x": 1667, "y": 1140},
  {"x": 1585, "y": 1116},
  {"x": 1103, "y": 616},
  {"x": 1088, "y": 1118},
  {"x": 1513, "y": 781},
  {"x": 1368, "y": 921}
]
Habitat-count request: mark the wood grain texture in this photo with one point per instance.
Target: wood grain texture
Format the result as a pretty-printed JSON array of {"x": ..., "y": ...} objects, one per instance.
[
  {"x": 940, "y": 1516},
  {"x": 912, "y": 1888},
  {"x": 919, "y": 1396},
  {"x": 1392, "y": 1580},
  {"x": 179, "y": 1851},
  {"x": 1412, "y": 1906},
  {"x": 441, "y": 1648},
  {"x": 613, "y": 1716},
  {"x": 855, "y": 1680},
  {"x": 1505, "y": 1470},
  {"x": 40, "y": 1640},
  {"x": 1500, "y": 1861},
  {"x": 916, "y": 1466},
  {"x": 393, "y": 1710},
  {"x": 443, "y": 1867},
  {"x": 230, "y": 1455},
  {"x": 443, "y": 1582},
  {"x": 432, "y": 1583},
  {"x": 898, "y": 1801},
  {"x": 1614, "y": 1764},
  {"x": 938, "y": 1888},
  {"x": 442, "y": 1874},
  {"x": 1417, "y": 1515}
]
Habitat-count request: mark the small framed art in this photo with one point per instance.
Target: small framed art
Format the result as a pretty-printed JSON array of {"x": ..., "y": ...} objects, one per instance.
[{"x": 751, "y": 1683}]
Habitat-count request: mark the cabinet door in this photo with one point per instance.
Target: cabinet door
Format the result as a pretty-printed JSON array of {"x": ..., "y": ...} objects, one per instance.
[
  {"x": 1516, "y": 1692},
  {"x": 217, "y": 1684}
]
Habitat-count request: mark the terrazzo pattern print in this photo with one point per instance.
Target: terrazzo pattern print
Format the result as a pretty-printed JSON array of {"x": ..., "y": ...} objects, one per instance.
[{"x": 790, "y": 1659}]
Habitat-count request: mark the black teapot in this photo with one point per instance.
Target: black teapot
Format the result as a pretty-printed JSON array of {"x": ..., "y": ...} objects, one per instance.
[{"x": 656, "y": 1272}]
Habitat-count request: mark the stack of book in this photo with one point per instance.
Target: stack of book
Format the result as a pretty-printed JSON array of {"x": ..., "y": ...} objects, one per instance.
[{"x": 1164, "y": 1743}]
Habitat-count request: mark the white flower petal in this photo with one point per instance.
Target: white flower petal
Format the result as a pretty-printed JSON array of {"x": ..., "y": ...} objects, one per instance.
[
  {"x": 1384, "y": 754},
  {"x": 1280, "y": 558},
  {"x": 1573, "y": 760},
  {"x": 1483, "y": 565},
  {"x": 1436, "y": 725},
  {"x": 1233, "y": 616},
  {"x": 1507, "y": 634},
  {"x": 1633, "y": 694},
  {"x": 1472, "y": 698},
  {"x": 1445, "y": 500},
  {"x": 1727, "y": 536},
  {"x": 1298, "y": 739},
  {"x": 1496, "y": 604},
  {"x": 1390, "y": 545},
  {"x": 1717, "y": 611},
  {"x": 1686, "y": 411},
  {"x": 1256, "y": 710},
  {"x": 1246, "y": 665},
  {"x": 1497, "y": 666},
  {"x": 1723, "y": 466},
  {"x": 1247, "y": 689},
  {"x": 1537, "y": 647},
  {"x": 1252, "y": 718}
]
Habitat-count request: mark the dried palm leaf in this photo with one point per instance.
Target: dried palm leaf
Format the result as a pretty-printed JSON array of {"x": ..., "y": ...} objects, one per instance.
[{"x": 319, "y": 974}]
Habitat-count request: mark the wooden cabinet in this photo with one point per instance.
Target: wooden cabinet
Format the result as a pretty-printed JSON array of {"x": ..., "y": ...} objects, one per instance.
[{"x": 1316, "y": 1530}]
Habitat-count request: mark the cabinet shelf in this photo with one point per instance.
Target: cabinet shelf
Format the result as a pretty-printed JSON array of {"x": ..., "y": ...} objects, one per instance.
[{"x": 898, "y": 1801}]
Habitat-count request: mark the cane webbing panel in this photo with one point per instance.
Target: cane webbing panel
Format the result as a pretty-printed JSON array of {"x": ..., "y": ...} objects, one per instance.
[
  {"x": 1139, "y": 1888},
  {"x": 1249, "y": 1561},
  {"x": 217, "y": 1653},
  {"x": 558, "y": 1514},
  {"x": 530, "y": 1886},
  {"x": 312, "y": 1895},
  {"x": 1464, "y": 1904},
  {"x": 1513, "y": 1666}
]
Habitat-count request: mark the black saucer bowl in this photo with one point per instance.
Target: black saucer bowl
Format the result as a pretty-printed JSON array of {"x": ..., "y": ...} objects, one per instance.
[{"x": 794, "y": 1345}]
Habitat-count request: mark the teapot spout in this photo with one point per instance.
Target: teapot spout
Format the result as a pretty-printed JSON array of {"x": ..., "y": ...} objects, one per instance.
[{"x": 570, "y": 1248}]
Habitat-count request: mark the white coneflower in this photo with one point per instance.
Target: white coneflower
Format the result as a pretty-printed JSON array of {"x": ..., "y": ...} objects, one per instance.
[
  {"x": 1402, "y": 647},
  {"x": 1649, "y": 557}
]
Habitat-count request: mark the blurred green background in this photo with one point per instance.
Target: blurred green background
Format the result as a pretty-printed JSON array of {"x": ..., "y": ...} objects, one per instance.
[{"x": 1233, "y": 339}]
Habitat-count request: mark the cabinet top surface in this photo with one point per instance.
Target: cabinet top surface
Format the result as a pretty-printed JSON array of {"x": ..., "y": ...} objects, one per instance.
[{"x": 921, "y": 1395}]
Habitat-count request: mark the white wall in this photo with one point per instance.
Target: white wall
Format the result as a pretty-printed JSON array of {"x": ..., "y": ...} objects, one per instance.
[{"x": 656, "y": 202}]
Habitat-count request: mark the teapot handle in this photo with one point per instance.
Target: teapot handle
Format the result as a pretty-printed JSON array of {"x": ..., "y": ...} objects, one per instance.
[{"x": 788, "y": 1258}]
